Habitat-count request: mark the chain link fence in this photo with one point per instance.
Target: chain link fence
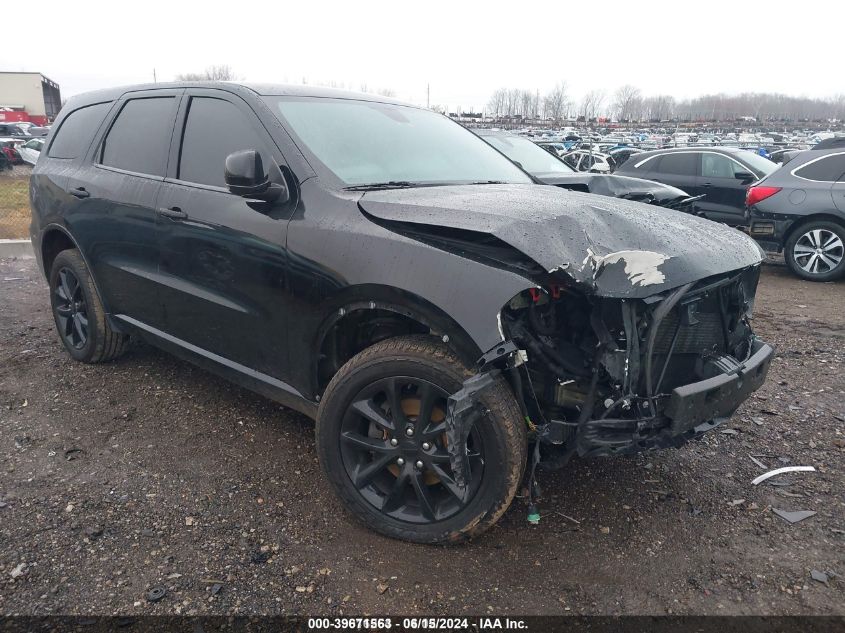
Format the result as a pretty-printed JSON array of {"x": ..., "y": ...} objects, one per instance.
[{"x": 14, "y": 202}]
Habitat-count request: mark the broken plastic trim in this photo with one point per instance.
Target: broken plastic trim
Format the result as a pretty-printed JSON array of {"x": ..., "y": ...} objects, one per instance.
[{"x": 462, "y": 411}]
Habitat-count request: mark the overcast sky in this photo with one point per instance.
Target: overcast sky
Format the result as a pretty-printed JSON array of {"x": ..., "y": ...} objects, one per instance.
[{"x": 464, "y": 50}]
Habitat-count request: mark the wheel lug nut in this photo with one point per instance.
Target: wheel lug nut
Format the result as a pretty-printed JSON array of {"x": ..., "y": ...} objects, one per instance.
[
  {"x": 419, "y": 464},
  {"x": 409, "y": 432},
  {"x": 426, "y": 446},
  {"x": 400, "y": 461},
  {"x": 394, "y": 442}
]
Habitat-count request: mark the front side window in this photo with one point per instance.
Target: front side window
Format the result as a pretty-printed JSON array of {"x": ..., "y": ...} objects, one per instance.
[
  {"x": 718, "y": 166},
  {"x": 139, "y": 138},
  {"x": 827, "y": 169},
  {"x": 214, "y": 129},
  {"x": 77, "y": 130},
  {"x": 680, "y": 164},
  {"x": 365, "y": 142}
]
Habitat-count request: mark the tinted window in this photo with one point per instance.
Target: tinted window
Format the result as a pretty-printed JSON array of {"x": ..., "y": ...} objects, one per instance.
[
  {"x": 214, "y": 129},
  {"x": 718, "y": 166},
  {"x": 74, "y": 135},
  {"x": 365, "y": 142},
  {"x": 139, "y": 139},
  {"x": 681, "y": 164},
  {"x": 827, "y": 169}
]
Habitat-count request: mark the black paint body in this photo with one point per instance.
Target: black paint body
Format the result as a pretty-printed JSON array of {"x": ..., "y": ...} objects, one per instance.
[{"x": 252, "y": 289}]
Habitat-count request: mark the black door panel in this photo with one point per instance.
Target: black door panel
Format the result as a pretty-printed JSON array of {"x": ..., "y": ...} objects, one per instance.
[
  {"x": 114, "y": 216},
  {"x": 222, "y": 259}
]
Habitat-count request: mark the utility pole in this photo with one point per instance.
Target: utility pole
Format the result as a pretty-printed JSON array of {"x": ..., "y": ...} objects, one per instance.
[
  {"x": 428, "y": 96},
  {"x": 154, "y": 76}
]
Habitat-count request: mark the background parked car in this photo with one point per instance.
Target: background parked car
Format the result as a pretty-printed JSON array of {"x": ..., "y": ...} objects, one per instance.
[
  {"x": 551, "y": 170},
  {"x": 581, "y": 160},
  {"x": 723, "y": 174},
  {"x": 30, "y": 150},
  {"x": 12, "y": 131},
  {"x": 12, "y": 154},
  {"x": 621, "y": 154},
  {"x": 800, "y": 210}
]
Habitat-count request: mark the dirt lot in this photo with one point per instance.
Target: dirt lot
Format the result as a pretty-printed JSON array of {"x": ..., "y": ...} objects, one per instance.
[{"x": 147, "y": 472}]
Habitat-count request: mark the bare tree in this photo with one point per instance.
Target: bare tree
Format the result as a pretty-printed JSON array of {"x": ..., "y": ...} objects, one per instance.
[
  {"x": 556, "y": 102},
  {"x": 212, "y": 73},
  {"x": 626, "y": 101},
  {"x": 591, "y": 104}
]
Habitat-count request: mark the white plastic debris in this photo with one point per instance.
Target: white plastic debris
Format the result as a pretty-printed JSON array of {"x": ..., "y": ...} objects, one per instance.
[{"x": 785, "y": 469}]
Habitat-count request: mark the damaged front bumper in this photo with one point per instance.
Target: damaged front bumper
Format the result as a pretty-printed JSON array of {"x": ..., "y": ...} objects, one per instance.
[
  {"x": 689, "y": 410},
  {"x": 600, "y": 376}
]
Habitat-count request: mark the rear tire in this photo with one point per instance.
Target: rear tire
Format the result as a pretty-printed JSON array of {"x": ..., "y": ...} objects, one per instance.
[
  {"x": 815, "y": 251},
  {"x": 78, "y": 312},
  {"x": 381, "y": 443}
]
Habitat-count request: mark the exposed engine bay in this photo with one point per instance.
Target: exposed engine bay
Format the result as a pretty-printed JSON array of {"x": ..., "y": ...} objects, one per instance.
[{"x": 601, "y": 376}]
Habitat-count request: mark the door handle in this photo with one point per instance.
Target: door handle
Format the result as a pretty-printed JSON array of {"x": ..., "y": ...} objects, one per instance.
[
  {"x": 707, "y": 184},
  {"x": 174, "y": 213},
  {"x": 79, "y": 192}
]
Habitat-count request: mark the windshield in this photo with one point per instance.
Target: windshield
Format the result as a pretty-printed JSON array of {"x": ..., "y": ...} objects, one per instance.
[
  {"x": 364, "y": 142},
  {"x": 759, "y": 164},
  {"x": 533, "y": 158}
]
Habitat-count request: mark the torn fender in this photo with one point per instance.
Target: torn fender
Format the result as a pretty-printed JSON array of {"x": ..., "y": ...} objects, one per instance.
[{"x": 577, "y": 234}]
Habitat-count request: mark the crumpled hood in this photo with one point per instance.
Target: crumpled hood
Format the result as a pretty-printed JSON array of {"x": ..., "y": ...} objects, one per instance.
[
  {"x": 617, "y": 247},
  {"x": 617, "y": 186}
]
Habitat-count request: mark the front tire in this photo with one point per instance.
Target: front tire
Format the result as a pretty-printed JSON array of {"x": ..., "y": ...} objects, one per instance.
[
  {"x": 79, "y": 314},
  {"x": 381, "y": 442},
  {"x": 815, "y": 251}
]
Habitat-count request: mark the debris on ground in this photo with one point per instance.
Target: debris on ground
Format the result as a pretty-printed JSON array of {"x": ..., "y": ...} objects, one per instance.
[
  {"x": 794, "y": 517},
  {"x": 780, "y": 471},
  {"x": 156, "y": 593}
]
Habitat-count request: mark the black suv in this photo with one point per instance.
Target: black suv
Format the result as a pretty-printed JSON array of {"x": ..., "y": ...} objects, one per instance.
[
  {"x": 720, "y": 174},
  {"x": 383, "y": 270}
]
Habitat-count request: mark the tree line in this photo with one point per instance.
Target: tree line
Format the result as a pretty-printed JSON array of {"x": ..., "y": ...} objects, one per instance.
[{"x": 627, "y": 103}]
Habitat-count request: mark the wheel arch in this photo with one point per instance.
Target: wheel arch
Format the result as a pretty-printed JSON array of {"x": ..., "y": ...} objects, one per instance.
[
  {"x": 56, "y": 238},
  {"x": 369, "y": 314},
  {"x": 825, "y": 216}
]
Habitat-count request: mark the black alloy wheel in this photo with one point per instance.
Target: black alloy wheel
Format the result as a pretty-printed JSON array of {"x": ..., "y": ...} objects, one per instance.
[
  {"x": 382, "y": 443},
  {"x": 71, "y": 310},
  {"x": 78, "y": 312},
  {"x": 395, "y": 452}
]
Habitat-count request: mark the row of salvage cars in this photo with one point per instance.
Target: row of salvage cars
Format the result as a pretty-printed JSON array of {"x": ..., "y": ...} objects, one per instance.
[
  {"x": 445, "y": 316},
  {"x": 797, "y": 209}
]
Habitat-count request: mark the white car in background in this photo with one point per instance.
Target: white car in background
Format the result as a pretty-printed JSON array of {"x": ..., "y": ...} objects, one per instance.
[
  {"x": 31, "y": 150},
  {"x": 594, "y": 162}
]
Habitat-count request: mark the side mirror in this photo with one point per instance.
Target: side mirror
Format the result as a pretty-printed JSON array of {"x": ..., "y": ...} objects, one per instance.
[
  {"x": 745, "y": 176},
  {"x": 245, "y": 177}
]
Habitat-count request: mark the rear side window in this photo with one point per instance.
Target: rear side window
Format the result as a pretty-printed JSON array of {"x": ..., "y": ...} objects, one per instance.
[
  {"x": 139, "y": 138},
  {"x": 718, "y": 166},
  {"x": 681, "y": 164},
  {"x": 214, "y": 129},
  {"x": 827, "y": 169},
  {"x": 74, "y": 135}
]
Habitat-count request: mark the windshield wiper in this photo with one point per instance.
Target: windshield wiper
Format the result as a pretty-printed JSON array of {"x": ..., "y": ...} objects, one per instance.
[
  {"x": 390, "y": 184},
  {"x": 489, "y": 182}
]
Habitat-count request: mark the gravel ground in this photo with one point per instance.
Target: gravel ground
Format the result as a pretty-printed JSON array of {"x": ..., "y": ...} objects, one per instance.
[{"x": 146, "y": 472}]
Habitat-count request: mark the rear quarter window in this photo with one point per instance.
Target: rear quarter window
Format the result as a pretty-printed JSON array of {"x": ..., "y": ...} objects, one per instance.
[
  {"x": 76, "y": 131},
  {"x": 825, "y": 169}
]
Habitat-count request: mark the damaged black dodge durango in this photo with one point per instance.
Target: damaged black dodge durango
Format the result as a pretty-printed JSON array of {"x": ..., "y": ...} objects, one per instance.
[{"x": 381, "y": 269}]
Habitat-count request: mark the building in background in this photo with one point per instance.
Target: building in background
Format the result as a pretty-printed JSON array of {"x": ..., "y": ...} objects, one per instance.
[{"x": 28, "y": 97}]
